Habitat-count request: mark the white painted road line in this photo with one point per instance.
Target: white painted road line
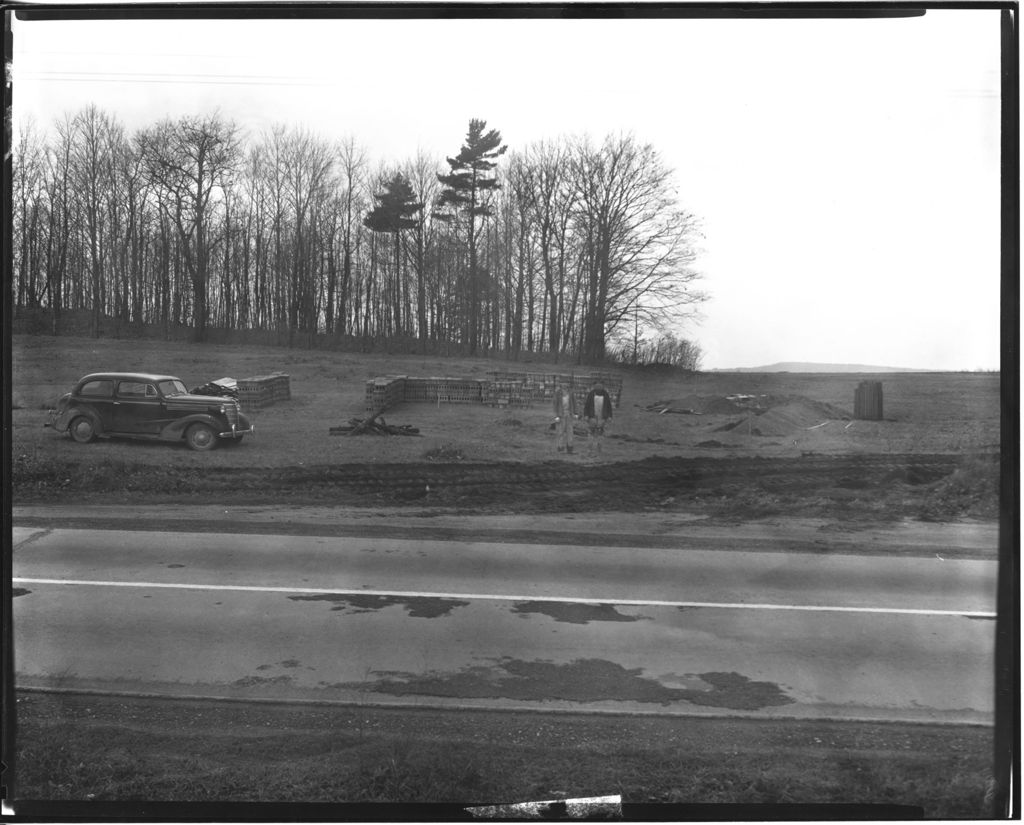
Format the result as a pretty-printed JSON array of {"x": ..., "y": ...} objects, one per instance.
[{"x": 513, "y": 598}]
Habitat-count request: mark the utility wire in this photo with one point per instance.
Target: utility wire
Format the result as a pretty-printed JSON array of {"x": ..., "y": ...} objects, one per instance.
[
  {"x": 260, "y": 77},
  {"x": 99, "y": 77}
]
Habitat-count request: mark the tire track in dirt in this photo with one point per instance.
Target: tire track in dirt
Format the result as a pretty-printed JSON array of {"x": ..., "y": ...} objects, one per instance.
[
  {"x": 867, "y": 483},
  {"x": 661, "y": 472}
]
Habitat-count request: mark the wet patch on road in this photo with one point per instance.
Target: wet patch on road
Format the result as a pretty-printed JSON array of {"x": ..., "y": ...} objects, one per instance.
[
  {"x": 287, "y": 664},
  {"x": 172, "y": 566},
  {"x": 576, "y": 613},
  {"x": 19, "y": 591},
  {"x": 584, "y": 680},
  {"x": 733, "y": 690},
  {"x": 420, "y": 607},
  {"x": 259, "y": 681}
]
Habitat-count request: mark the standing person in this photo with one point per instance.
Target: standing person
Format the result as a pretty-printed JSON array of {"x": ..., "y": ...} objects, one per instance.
[
  {"x": 597, "y": 410},
  {"x": 565, "y": 414}
]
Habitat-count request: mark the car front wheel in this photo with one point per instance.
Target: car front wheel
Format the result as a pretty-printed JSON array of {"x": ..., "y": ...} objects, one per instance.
[
  {"x": 82, "y": 430},
  {"x": 200, "y": 437}
]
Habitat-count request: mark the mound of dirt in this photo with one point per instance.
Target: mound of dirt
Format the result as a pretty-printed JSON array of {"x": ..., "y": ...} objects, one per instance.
[
  {"x": 778, "y": 414},
  {"x": 688, "y": 404},
  {"x": 784, "y": 419},
  {"x": 729, "y": 404},
  {"x": 709, "y": 404}
]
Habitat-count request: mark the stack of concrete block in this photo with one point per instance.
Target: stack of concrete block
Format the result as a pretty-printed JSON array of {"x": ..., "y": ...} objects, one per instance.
[
  {"x": 504, "y": 389},
  {"x": 384, "y": 392},
  {"x": 263, "y": 390}
]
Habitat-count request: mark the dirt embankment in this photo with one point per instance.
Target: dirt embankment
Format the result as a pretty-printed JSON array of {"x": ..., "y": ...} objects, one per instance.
[{"x": 880, "y": 487}]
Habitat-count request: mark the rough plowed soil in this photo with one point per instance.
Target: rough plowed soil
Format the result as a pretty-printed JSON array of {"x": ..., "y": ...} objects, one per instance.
[
  {"x": 896, "y": 485},
  {"x": 488, "y": 483}
]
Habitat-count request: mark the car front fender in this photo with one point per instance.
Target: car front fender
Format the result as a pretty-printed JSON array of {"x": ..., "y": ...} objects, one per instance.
[{"x": 175, "y": 431}]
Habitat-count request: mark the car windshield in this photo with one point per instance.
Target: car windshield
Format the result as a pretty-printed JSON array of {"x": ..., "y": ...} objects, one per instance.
[{"x": 173, "y": 387}]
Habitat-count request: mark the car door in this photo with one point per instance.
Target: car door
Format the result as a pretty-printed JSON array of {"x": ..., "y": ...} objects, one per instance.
[
  {"x": 138, "y": 408},
  {"x": 97, "y": 395}
]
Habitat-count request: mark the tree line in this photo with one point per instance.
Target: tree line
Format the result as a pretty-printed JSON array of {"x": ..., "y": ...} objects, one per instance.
[{"x": 568, "y": 246}]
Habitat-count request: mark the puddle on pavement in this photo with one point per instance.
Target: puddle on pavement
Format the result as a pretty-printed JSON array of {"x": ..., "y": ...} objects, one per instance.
[
  {"x": 576, "y": 613},
  {"x": 19, "y": 591},
  {"x": 584, "y": 680},
  {"x": 256, "y": 681},
  {"x": 287, "y": 664},
  {"x": 422, "y": 607}
]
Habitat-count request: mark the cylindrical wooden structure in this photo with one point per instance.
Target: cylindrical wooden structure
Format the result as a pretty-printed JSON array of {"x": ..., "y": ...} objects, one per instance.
[{"x": 867, "y": 401}]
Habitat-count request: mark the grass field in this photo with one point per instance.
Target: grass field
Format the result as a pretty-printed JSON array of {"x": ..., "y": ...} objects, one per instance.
[
  {"x": 662, "y": 415},
  {"x": 924, "y": 412}
]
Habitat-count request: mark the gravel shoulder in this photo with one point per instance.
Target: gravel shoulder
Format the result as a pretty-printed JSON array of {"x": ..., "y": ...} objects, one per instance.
[{"x": 965, "y": 539}]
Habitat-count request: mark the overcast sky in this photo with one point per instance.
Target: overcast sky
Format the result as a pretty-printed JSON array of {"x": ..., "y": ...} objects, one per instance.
[{"x": 846, "y": 171}]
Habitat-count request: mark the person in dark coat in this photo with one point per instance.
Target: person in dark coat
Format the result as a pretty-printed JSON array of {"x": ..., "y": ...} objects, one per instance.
[{"x": 597, "y": 410}]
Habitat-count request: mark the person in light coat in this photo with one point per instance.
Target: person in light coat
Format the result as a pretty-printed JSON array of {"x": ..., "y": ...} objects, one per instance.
[
  {"x": 565, "y": 415},
  {"x": 597, "y": 410}
]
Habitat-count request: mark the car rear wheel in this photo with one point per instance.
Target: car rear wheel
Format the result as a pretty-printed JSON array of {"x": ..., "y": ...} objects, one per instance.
[
  {"x": 82, "y": 430},
  {"x": 201, "y": 437}
]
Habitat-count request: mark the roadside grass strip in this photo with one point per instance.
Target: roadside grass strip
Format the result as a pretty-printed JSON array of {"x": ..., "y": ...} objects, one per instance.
[{"x": 979, "y": 614}]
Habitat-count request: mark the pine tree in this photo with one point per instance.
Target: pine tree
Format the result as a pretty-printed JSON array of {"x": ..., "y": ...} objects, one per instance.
[
  {"x": 465, "y": 198},
  {"x": 396, "y": 205}
]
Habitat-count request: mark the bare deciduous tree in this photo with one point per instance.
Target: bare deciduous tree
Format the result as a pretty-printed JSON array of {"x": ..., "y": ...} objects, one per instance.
[
  {"x": 420, "y": 172},
  {"x": 352, "y": 163},
  {"x": 639, "y": 250},
  {"x": 28, "y": 191},
  {"x": 189, "y": 158},
  {"x": 92, "y": 163}
]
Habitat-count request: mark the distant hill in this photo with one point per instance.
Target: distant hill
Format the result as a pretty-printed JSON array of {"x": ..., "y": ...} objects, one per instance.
[{"x": 806, "y": 366}]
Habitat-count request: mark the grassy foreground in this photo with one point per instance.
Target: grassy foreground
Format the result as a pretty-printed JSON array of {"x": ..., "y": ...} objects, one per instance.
[{"x": 102, "y": 748}]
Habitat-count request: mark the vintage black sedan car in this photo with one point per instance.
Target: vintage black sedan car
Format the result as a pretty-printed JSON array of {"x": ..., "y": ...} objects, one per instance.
[{"x": 155, "y": 407}]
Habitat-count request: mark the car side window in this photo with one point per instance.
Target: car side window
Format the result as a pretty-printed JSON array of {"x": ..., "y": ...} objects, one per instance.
[
  {"x": 97, "y": 389},
  {"x": 135, "y": 389}
]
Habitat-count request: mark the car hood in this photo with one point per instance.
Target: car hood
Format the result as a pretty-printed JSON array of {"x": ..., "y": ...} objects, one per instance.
[{"x": 205, "y": 400}]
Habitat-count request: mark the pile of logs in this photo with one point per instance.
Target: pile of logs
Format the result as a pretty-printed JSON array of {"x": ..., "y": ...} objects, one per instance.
[{"x": 375, "y": 425}]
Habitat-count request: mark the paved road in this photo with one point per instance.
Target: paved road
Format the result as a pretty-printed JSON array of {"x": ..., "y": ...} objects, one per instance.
[{"x": 380, "y": 620}]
